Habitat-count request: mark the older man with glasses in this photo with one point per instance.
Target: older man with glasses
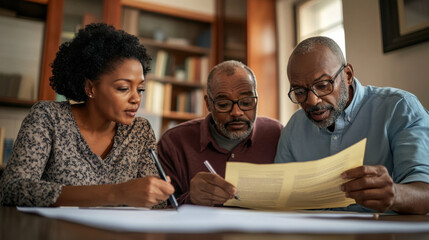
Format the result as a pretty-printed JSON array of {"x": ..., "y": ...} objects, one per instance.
[
  {"x": 231, "y": 132},
  {"x": 337, "y": 111}
]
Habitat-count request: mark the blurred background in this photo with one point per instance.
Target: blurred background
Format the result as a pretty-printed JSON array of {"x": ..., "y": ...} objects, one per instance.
[{"x": 384, "y": 40}]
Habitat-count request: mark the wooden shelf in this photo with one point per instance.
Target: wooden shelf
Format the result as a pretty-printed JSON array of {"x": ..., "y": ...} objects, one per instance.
[
  {"x": 174, "y": 47},
  {"x": 173, "y": 80},
  {"x": 184, "y": 53},
  {"x": 183, "y": 116},
  {"x": 170, "y": 11},
  {"x": 15, "y": 102}
]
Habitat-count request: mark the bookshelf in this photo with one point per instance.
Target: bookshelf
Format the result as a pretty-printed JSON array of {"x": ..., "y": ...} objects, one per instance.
[
  {"x": 246, "y": 31},
  {"x": 22, "y": 27},
  {"x": 232, "y": 28},
  {"x": 179, "y": 43}
]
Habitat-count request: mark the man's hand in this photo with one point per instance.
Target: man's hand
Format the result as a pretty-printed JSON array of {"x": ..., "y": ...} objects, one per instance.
[
  {"x": 370, "y": 186},
  {"x": 209, "y": 189}
]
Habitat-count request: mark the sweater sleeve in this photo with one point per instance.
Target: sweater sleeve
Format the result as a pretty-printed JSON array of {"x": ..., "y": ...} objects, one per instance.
[{"x": 21, "y": 183}]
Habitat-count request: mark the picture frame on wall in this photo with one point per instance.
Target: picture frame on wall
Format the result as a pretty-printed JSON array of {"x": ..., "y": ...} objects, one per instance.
[{"x": 404, "y": 23}]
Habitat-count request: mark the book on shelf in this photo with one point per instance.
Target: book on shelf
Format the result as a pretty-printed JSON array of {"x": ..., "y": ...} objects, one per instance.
[
  {"x": 196, "y": 69},
  {"x": 189, "y": 69},
  {"x": 158, "y": 98},
  {"x": 168, "y": 89},
  {"x": 153, "y": 100},
  {"x": 160, "y": 63},
  {"x": 7, "y": 149},
  {"x": 197, "y": 101},
  {"x": 204, "y": 73},
  {"x": 147, "y": 97},
  {"x": 190, "y": 102},
  {"x": 182, "y": 102},
  {"x": 193, "y": 69}
]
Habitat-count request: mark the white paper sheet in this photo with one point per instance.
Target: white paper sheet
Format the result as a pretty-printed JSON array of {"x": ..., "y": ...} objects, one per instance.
[{"x": 197, "y": 219}]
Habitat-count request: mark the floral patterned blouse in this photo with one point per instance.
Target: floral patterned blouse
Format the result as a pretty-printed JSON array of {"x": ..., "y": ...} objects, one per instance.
[{"x": 50, "y": 153}]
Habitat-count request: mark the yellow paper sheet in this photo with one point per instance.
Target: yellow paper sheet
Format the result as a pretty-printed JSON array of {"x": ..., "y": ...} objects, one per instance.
[{"x": 297, "y": 185}]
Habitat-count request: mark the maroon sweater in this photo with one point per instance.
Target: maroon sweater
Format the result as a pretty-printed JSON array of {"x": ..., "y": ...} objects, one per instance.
[{"x": 183, "y": 149}]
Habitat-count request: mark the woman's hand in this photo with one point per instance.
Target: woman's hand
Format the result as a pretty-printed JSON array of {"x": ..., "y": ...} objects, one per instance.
[{"x": 142, "y": 192}]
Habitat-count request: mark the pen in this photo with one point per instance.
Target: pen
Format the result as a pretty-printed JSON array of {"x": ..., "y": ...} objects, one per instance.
[
  {"x": 210, "y": 168},
  {"x": 163, "y": 176}
]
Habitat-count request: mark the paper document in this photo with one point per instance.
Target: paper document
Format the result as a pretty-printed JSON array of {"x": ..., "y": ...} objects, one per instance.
[
  {"x": 199, "y": 219},
  {"x": 296, "y": 185}
]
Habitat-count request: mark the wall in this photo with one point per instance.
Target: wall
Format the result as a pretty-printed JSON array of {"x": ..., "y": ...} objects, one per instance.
[
  {"x": 405, "y": 68},
  {"x": 286, "y": 43}
]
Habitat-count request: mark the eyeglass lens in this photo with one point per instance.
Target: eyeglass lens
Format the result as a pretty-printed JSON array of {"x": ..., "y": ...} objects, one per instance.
[
  {"x": 320, "y": 89},
  {"x": 226, "y": 105}
]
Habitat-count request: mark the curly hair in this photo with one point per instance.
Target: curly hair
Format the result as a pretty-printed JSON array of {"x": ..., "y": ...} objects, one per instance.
[{"x": 95, "y": 50}]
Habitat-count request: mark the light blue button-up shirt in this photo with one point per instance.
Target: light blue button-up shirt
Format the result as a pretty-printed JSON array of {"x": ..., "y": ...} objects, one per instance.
[{"x": 394, "y": 122}]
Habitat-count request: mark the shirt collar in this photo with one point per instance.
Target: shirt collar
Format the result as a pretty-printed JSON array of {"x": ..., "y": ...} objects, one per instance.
[{"x": 354, "y": 106}]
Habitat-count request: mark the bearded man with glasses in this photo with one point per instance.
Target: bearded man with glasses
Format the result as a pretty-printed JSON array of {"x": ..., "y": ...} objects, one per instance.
[
  {"x": 337, "y": 112},
  {"x": 231, "y": 132}
]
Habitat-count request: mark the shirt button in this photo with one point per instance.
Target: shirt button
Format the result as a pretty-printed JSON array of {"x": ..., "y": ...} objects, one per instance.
[
  {"x": 335, "y": 137},
  {"x": 232, "y": 155}
]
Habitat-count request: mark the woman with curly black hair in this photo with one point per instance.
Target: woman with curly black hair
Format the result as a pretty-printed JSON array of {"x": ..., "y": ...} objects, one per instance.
[{"x": 94, "y": 152}]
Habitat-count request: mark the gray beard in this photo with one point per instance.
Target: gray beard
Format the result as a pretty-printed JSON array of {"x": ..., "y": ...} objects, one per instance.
[
  {"x": 233, "y": 135},
  {"x": 335, "y": 113}
]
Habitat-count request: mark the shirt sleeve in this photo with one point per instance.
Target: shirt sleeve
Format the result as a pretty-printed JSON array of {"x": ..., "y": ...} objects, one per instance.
[
  {"x": 409, "y": 130},
  {"x": 283, "y": 153},
  {"x": 170, "y": 160},
  {"x": 21, "y": 183}
]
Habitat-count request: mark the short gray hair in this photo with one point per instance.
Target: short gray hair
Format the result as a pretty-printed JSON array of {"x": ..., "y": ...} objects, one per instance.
[
  {"x": 309, "y": 44},
  {"x": 228, "y": 67}
]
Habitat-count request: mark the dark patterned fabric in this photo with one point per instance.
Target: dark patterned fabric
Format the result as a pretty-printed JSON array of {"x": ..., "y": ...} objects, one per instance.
[{"x": 50, "y": 152}]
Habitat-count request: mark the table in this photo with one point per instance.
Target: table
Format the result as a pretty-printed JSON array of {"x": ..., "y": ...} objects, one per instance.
[{"x": 18, "y": 225}]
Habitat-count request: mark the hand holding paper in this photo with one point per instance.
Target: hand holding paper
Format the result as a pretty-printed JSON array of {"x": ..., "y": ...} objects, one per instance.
[
  {"x": 297, "y": 185},
  {"x": 375, "y": 180}
]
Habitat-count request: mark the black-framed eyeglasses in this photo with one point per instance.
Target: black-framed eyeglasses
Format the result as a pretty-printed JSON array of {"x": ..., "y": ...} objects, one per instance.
[
  {"x": 226, "y": 105},
  {"x": 320, "y": 89}
]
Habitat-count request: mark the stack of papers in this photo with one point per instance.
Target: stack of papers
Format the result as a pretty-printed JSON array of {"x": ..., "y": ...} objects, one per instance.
[{"x": 198, "y": 219}]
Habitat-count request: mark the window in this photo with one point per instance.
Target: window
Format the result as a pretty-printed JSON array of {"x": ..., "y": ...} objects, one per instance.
[{"x": 320, "y": 18}]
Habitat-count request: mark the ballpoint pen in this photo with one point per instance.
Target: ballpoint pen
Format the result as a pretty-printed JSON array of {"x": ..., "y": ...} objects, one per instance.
[
  {"x": 210, "y": 168},
  {"x": 172, "y": 199}
]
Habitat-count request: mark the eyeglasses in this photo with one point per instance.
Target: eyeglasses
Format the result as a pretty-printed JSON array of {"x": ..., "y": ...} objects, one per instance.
[
  {"x": 320, "y": 89},
  {"x": 226, "y": 105}
]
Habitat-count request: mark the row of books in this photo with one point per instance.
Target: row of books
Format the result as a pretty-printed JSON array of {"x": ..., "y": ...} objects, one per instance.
[
  {"x": 192, "y": 69},
  {"x": 191, "y": 102},
  {"x": 159, "y": 98}
]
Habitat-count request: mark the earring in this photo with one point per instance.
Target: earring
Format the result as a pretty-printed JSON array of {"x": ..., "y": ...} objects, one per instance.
[{"x": 90, "y": 95}]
